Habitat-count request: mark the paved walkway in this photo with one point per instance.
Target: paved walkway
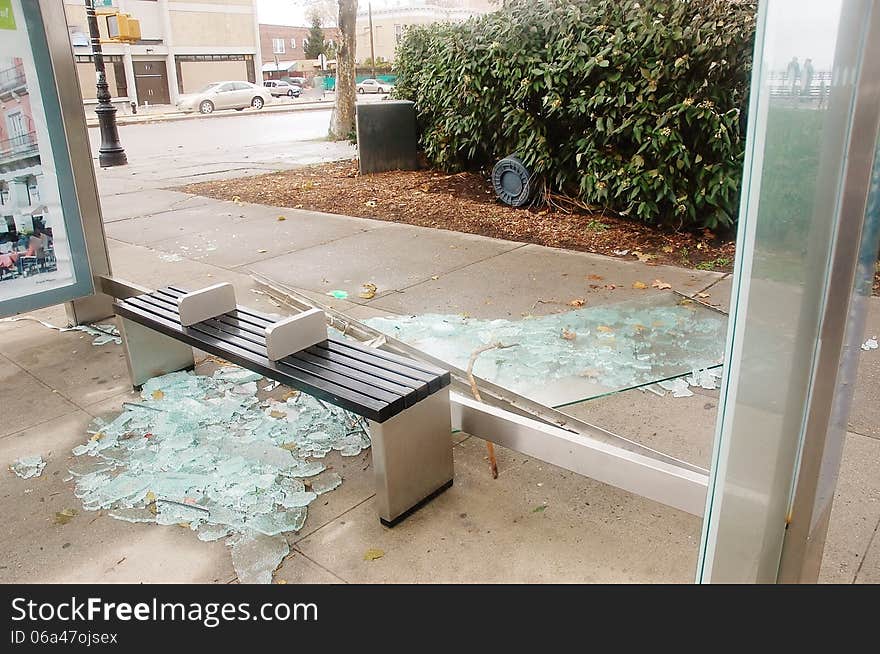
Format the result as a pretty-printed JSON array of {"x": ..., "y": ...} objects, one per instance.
[{"x": 480, "y": 530}]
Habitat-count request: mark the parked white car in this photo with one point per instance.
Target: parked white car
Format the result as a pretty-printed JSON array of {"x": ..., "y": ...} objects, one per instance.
[
  {"x": 225, "y": 95},
  {"x": 374, "y": 86},
  {"x": 279, "y": 87}
]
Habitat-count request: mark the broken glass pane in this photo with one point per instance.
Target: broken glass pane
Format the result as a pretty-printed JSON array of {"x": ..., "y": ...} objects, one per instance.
[{"x": 574, "y": 355}]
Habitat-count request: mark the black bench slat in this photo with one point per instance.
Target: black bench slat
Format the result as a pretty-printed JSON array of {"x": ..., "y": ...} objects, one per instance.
[
  {"x": 364, "y": 380},
  {"x": 347, "y": 399},
  {"x": 378, "y": 389},
  {"x": 416, "y": 369},
  {"x": 400, "y": 380}
]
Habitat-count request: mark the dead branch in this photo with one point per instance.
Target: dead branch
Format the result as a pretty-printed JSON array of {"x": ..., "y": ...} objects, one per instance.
[{"x": 490, "y": 447}]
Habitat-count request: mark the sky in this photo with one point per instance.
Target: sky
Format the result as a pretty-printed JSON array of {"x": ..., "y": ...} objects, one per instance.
[{"x": 293, "y": 12}]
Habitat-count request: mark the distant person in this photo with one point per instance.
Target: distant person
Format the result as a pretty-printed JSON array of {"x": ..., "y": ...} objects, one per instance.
[
  {"x": 809, "y": 71},
  {"x": 792, "y": 73}
]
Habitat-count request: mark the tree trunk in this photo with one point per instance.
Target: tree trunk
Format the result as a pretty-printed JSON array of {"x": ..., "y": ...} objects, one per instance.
[{"x": 342, "y": 126}]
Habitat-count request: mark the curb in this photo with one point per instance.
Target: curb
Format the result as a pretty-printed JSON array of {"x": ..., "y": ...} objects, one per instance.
[{"x": 170, "y": 117}]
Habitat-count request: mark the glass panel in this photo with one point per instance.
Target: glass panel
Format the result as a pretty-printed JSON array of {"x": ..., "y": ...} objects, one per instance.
[
  {"x": 568, "y": 357},
  {"x": 42, "y": 253},
  {"x": 794, "y": 167}
]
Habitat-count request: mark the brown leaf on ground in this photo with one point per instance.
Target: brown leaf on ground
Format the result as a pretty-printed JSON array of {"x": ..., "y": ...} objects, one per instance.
[
  {"x": 640, "y": 286},
  {"x": 373, "y": 553},
  {"x": 702, "y": 295},
  {"x": 595, "y": 277},
  {"x": 577, "y": 302},
  {"x": 158, "y": 395},
  {"x": 605, "y": 329},
  {"x": 658, "y": 283},
  {"x": 64, "y": 516},
  {"x": 568, "y": 335},
  {"x": 369, "y": 291}
]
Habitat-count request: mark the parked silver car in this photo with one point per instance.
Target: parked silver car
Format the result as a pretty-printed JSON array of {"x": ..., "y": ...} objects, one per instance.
[
  {"x": 374, "y": 86},
  {"x": 225, "y": 95},
  {"x": 279, "y": 87}
]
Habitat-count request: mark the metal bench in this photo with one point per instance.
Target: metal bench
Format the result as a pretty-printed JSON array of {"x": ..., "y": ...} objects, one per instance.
[{"x": 405, "y": 401}]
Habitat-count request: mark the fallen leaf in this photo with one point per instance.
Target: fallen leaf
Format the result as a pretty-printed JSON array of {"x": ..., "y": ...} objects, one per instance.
[
  {"x": 639, "y": 328},
  {"x": 539, "y": 509},
  {"x": 435, "y": 277},
  {"x": 158, "y": 395},
  {"x": 568, "y": 335},
  {"x": 641, "y": 286},
  {"x": 290, "y": 447},
  {"x": 97, "y": 437},
  {"x": 281, "y": 581},
  {"x": 262, "y": 250},
  {"x": 595, "y": 277},
  {"x": 281, "y": 218},
  {"x": 577, "y": 302},
  {"x": 605, "y": 329},
  {"x": 369, "y": 291},
  {"x": 275, "y": 413},
  {"x": 644, "y": 258},
  {"x": 64, "y": 516},
  {"x": 151, "y": 502},
  {"x": 610, "y": 287},
  {"x": 236, "y": 199},
  {"x": 373, "y": 553},
  {"x": 661, "y": 284},
  {"x": 668, "y": 249},
  {"x": 702, "y": 295}
]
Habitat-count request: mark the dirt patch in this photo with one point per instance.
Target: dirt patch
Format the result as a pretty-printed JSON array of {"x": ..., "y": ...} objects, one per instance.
[{"x": 465, "y": 202}]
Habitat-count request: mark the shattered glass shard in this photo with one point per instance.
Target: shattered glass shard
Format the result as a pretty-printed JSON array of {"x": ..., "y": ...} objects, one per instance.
[
  {"x": 28, "y": 467},
  {"x": 325, "y": 482},
  {"x": 256, "y": 556}
]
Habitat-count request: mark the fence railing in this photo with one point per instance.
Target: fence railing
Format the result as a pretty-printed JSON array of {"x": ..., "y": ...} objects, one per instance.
[
  {"x": 12, "y": 78},
  {"x": 19, "y": 146}
]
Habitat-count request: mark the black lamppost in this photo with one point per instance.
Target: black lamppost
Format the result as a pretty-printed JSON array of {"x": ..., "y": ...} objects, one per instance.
[{"x": 111, "y": 152}]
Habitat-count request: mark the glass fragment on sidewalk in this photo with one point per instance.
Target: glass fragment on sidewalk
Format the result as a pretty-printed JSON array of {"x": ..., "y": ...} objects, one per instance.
[
  {"x": 28, "y": 467},
  {"x": 205, "y": 452}
]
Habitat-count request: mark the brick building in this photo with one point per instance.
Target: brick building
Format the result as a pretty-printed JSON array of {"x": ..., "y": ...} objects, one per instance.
[{"x": 283, "y": 48}]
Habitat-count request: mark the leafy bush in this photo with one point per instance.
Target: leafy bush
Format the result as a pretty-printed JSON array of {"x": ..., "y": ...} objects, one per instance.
[{"x": 634, "y": 106}]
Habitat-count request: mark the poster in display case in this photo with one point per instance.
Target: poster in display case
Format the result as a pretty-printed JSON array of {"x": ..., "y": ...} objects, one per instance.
[{"x": 43, "y": 258}]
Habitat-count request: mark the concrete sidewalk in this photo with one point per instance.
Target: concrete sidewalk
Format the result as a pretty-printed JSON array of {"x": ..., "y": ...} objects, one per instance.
[{"x": 481, "y": 530}]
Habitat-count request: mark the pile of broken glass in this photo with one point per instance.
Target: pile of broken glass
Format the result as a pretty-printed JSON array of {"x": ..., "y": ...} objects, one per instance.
[{"x": 204, "y": 451}]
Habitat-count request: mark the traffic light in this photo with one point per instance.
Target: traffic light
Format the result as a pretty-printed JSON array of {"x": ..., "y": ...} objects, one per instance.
[{"x": 123, "y": 28}]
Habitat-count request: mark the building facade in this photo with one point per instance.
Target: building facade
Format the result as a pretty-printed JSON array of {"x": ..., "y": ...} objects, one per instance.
[
  {"x": 183, "y": 46},
  {"x": 390, "y": 23},
  {"x": 20, "y": 172},
  {"x": 283, "y": 48}
]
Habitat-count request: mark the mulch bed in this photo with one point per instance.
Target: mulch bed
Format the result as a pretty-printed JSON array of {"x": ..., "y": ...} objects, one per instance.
[{"x": 465, "y": 202}]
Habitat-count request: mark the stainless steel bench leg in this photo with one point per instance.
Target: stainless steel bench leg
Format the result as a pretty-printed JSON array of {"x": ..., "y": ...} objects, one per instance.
[
  {"x": 412, "y": 457},
  {"x": 150, "y": 353}
]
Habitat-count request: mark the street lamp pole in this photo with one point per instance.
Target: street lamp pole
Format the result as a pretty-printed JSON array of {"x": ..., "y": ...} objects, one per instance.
[
  {"x": 372, "y": 51},
  {"x": 111, "y": 152}
]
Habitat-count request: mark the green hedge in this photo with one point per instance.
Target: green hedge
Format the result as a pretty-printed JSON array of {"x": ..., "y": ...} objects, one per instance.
[{"x": 637, "y": 107}]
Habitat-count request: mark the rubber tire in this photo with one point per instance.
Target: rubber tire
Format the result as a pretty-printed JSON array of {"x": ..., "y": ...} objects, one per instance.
[
  {"x": 290, "y": 93},
  {"x": 257, "y": 102},
  {"x": 206, "y": 107},
  {"x": 361, "y": 90}
]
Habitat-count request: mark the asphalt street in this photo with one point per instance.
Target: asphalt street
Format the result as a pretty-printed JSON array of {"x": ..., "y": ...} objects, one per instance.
[{"x": 253, "y": 130}]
